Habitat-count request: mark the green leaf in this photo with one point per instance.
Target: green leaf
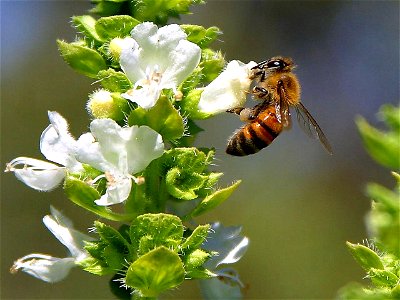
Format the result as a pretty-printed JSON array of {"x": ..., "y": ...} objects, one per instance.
[
  {"x": 82, "y": 58},
  {"x": 108, "y": 7},
  {"x": 85, "y": 25},
  {"x": 155, "y": 272},
  {"x": 189, "y": 159},
  {"x": 365, "y": 256},
  {"x": 383, "y": 278},
  {"x": 199, "y": 35},
  {"x": 213, "y": 200},
  {"x": 153, "y": 230},
  {"x": 189, "y": 105},
  {"x": 115, "y": 26},
  {"x": 197, "y": 238},
  {"x": 94, "y": 266},
  {"x": 84, "y": 195},
  {"x": 114, "y": 81},
  {"x": 390, "y": 200},
  {"x": 212, "y": 63},
  {"x": 112, "y": 237},
  {"x": 162, "y": 117},
  {"x": 383, "y": 147},
  {"x": 391, "y": 116}
]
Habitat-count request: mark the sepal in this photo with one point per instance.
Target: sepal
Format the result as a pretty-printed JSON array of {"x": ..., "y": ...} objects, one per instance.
[
  {"x": 162, "y": 117},
  {"x": 155, "y": 272},
  {"x": 115, "y": 26},
  {"x": 114, "y": 81},
  {"x": 81, "y": 58},
  {"x": 201, "y": 36},
  {"x": 213, "y": 200},
  {"x": 86, "y": 26}
]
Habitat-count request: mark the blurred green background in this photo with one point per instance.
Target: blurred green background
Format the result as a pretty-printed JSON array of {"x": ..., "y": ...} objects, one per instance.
[{"x": 297, "y": 204}]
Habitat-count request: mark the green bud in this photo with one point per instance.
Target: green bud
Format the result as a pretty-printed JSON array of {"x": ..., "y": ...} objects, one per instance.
[
  {"x": 81, "y": 58},
  {"x": 115, "y": 26},
  {"x": 196, "y": 259},
  {"x": 103, "y": 104},
  {"x": 383, "y": 278},
  {"x": 199, "y": 35},
  {"x": 366, "y": 257},
  {"x": 155, "y": 272},
  {"x": 153, "y": 230}
]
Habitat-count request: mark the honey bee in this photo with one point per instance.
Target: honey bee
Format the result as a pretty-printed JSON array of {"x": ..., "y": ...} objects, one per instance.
[{"x": 279, "y": 89}]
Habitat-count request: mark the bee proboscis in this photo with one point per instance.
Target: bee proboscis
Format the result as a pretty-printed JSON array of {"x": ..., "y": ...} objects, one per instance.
[{"x": 279, "y": 89}]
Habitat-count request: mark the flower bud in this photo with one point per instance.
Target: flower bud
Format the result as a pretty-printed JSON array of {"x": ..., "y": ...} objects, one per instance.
[
  {"x": 117, "y": 44},
  {"x": 103, "y": 104}
]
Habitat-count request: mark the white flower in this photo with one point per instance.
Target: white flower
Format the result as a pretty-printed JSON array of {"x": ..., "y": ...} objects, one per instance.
[
  {"x": 119, "y": 152},
  {"x": 49, "y": 268},
  {"x": 156, "y": 59},
  {"x": 228, "y": 90},
  {"x": 230, "y": 246},
  {"x": 57, "y": 145},
  {"x": 228, "y": 242}
]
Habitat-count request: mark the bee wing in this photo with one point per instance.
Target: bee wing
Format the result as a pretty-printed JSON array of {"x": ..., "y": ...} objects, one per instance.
[
  {"x": 310, "y": 126},
  {"x": 282, "y": 108}
]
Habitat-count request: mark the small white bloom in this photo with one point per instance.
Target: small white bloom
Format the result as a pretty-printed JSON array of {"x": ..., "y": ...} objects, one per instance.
[
  {"x": 230, "y": 246},
  {"x": 49, "y": 268},
  {"x": 228, "y": 242},
  {"x": 57, "y": 145},
  {"x": 119, "y": 152},
  {"x": 156, "y": 59},
  {"x": 228, "y": 90}
]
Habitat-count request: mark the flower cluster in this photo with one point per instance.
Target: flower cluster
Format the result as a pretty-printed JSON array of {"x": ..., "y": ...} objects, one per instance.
[{"x": 156, "y": 82}]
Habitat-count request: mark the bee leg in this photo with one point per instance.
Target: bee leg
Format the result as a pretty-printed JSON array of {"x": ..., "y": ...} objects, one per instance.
[
  {"x": 235, "y": 110},
  {"x": 260, "y": 92},
  {"x": 248, "y": 114}
]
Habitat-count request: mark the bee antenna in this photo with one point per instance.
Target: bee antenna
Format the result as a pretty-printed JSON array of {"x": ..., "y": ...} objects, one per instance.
[{"x": 260, "y": 65}]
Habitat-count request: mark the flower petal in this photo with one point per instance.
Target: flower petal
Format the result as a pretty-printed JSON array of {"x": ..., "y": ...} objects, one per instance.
[
  {"x": 37, "y": 174},
  {"x": 130, "y": 62},
  {"x": 229, "y": 244},
  {"x": 119, "y": 150},
  {"x": 228, "y": 90},
  {"x": 44, "y": 267},
  {"x": 57, "y": 144},
  {"x": 145, "y": 97},
  {"x": 61, "y": 227},
  {"x": 144, "y": 145},
  {"x": 183, "y": 60},
  {"x": 116, "y": 193}
]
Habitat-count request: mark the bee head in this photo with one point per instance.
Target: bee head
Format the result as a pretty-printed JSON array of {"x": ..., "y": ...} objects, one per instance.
[{"x": 276, "y": 64}]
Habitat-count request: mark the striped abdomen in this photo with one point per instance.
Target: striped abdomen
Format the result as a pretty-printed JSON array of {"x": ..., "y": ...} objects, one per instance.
[{"x": 255, "y": 135}]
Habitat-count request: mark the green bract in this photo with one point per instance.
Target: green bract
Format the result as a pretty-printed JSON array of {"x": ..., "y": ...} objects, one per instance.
[{"x": 154, "y": 250}]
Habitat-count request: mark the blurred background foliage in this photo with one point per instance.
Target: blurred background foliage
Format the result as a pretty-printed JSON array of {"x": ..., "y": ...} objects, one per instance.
[{"x": 297, "y": 204}]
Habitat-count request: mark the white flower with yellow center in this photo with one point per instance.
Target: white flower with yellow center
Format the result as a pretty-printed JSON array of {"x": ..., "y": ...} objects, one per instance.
[
  {"x": 120, "y": 152},
  {"x": 156, "y": 59}
]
